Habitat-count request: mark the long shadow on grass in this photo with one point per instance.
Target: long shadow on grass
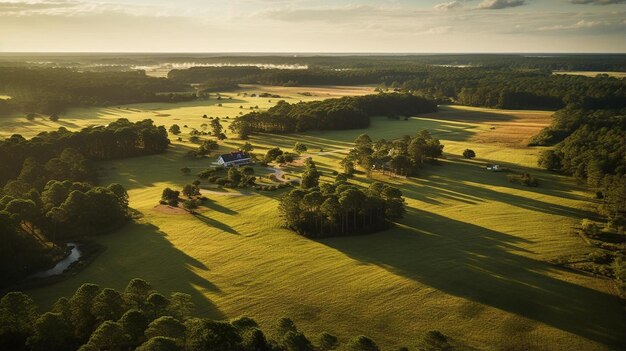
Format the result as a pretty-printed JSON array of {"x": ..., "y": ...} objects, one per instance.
[
  {"x": 141, "y": 250},
  {"x": 481, "y": 265},
  {"x": 453, "y": 180},
  {"x": 215, "y": 223}
]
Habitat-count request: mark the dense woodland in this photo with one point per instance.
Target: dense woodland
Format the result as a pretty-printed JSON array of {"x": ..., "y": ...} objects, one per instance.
[
  {"x": 591, "y": 145},
  {"x": 330, "y": 114},
  {"x": 503, "y": 81},
  {"x": 53, "y": 90},
  {"x": 140, "y": 318},
  {"x": 46, "y": 196}
]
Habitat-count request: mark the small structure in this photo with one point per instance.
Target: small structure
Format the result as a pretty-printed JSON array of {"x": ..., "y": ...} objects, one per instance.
[{"x": 234, "y": 159}]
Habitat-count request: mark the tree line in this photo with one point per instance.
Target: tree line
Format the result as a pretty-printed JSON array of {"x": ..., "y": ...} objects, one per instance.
[
  {"x": 139, "y": 318},
  {"x": 330, "y": 114},
  {"x": 119, "y": 139},
  {"x": 591, "y": 145},
  {"x": 52, "y": 90}
]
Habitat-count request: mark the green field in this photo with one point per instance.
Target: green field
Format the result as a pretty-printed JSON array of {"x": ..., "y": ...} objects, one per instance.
[
  {"x": 592, "y": 73},
  {"x": 470, "y": 258}
]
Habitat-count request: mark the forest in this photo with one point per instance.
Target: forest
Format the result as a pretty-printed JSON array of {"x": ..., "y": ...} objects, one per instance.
[
  {"x": 330, "y": 114},
  {"x": 591, "y": 146},
  {"x": 140, "y": 318},
  {"x": 53, "y": 90},
  {"x": 500, "y": 81},
  {"x": 47, "y": 194}
]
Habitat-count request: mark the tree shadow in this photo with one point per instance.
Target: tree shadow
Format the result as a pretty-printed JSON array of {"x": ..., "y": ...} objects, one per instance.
[
  {"x": 481, "y": 265},
  {"x": 459, "y": 179},
  {"x": 217, "y": 207},
  {"x": 215, "y": 223},
  {"x": 146, "y": 254}
]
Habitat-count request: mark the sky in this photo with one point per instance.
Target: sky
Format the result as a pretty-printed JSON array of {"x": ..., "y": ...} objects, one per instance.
[{"x": 305, "y": 26}]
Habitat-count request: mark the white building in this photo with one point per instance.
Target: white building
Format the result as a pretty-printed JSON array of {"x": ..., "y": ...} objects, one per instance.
[{"x": 234, "y": 159}]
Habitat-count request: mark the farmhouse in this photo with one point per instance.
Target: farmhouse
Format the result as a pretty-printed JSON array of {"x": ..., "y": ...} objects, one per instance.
[{"x": 234, "y": 159}]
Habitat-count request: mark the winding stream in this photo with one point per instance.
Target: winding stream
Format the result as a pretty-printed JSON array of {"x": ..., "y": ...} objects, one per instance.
[{"x": 62, "y": 265}]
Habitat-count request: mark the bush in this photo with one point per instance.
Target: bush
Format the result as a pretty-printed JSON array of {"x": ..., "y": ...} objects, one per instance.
[
  {"x": 601, "y": 257},
  {"x": 524, "y": 179},
  {"x": 223, "y": 181},
  {"x": 213, "y": 179},
  {"x": 469, "y": 154},
  {"x": 590, "y": 228}
]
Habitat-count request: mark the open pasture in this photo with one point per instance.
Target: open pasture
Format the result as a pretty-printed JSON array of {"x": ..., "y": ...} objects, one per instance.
[
  {"x": 470, "y": 258},
  {"x": 186, "y": 113}
]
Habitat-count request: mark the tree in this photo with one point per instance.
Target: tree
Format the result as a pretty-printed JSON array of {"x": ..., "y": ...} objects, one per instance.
[
  {"x": 235, "y": 176},
  {"x": 435, "y": 340},
  {"x": 174, "y": 129},
  {"x": 18, "y": 313},
  {"x": 170, "y": 196},
  {"x": 108, "y": 305},
  {"x": 109, "y": 336},
  {"x": 216, "y": 127},
  {"x": 160, "y": 343},
  {"x": 469, "y": 154},
  {"x": 272, "y": 154},
  {"x": 54, "y": 117},
  {"x": 296, "y": 341},
  {"x": 300, "y": 148},
  {"x": 134, "y": 324},
  {"x": 328, "y": 342},
  {"x": 166, "y": 326},
  {"x": 191, "y": 190},
  {"x": 362, "y": 343},
  {"x": 181, "y": 306},
  {"x": 136, "y": 293},
  {"x": 80, "y": 315},
  {"x": 156, "y": 305},
  {"x": 246, "y": 147},
  {"x": 286, "y": 325},
  {"x": 311, "y": 176},
  {"x": 50, "y": 333}
]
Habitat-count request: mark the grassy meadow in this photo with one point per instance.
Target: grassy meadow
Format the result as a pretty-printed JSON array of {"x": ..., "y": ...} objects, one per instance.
[
  {"x": 471, "y": 258},
  {"x": 593, "y": 73}
]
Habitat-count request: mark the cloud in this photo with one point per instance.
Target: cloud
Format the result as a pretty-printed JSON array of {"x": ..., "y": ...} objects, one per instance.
[
  {"x": 597, "y": 2},
  {"x": 27, "y": 7},
  {"x": 447, "y": 6},
  {"x": 500, "y": 4}
]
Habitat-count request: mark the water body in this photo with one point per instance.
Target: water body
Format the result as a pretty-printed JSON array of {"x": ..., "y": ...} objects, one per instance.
[{"x": 62, "y": 265}]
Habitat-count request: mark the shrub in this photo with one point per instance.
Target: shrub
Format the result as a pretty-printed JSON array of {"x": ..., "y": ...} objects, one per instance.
[
  {"x": 524, "y": 179},
  {"x": 469, "y": 154},
  {"x": 213, "y": 179},
  {"x": 223, "y": 181}
]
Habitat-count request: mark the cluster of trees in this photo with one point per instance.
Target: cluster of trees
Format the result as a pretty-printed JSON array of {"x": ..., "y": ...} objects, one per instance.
[
  {"x": 140, "y": 318},
  {"x": 45, "y": 195},
  {"x": 591, "y": 146},
  {"x": 30, "y": 221},
  {"x": 330, "y": 114},
  {"x": 119, "y": 139},
  {"x": 402, "y": 156},
  {"x": 52, "y": 90},
  {"x": 340, "y": 208}
]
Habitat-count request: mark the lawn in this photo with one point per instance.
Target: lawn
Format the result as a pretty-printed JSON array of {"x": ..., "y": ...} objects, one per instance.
[{"x": 470, "y": 258}]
